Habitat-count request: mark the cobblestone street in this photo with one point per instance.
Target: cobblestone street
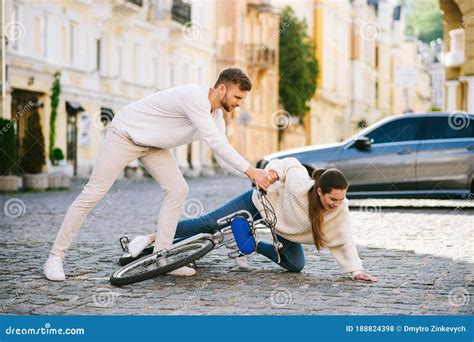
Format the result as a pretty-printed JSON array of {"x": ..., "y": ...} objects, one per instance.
[{"x": 423, "y": 257}]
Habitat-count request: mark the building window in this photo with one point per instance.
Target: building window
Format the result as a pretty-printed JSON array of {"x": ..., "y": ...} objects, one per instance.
[
  {"x": 119, "y": 62},
  {"x": 172, "y": 76},
  {"x": 45, "y": 35},
  {"x": 72, "y": 34},
  {"x": 98, "y": 54},
  {"x": 155, "y": 72},
  {"x": 38, "y": 25},
  {"x": 200, "y": 76},
  {"x": 138, "y": 63},
  {"x": 64, "y": 44},
  {"x": 15, "y": 19},
  {"x": 376, "y": 56},
  {"x": 187, "y": 74},
  {"x": 377, "y": 94}
]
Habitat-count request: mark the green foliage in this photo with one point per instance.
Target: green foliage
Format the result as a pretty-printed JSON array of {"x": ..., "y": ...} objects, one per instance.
[
  {"x": 33, "y": 159},
  {"x": 57, "y": 155},
  {"x": 298, "y": 65},
  {"x": 55, "y": 92},
  {"x": 424, "y": 20},
  {"x": 8, "y": 147}
]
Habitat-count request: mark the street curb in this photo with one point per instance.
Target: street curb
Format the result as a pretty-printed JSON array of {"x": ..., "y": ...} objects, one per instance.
[{"x": 413, "y": 207}]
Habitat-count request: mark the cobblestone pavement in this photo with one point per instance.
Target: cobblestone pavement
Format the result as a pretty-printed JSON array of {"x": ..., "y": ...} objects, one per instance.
[{"x": 423, "y": 257}]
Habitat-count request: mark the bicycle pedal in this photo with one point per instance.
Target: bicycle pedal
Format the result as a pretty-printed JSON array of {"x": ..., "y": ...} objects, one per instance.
[
  {"x": 231, "y": 244},
  {"x": 234, "y": 254},
  {"x": 124, "y": 241}
]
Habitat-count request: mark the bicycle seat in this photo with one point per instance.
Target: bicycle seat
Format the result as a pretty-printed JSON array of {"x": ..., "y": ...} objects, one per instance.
[{"x": 243, "y": 235}]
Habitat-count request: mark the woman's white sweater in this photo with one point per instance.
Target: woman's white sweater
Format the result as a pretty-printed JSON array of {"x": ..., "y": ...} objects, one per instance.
[{"x": 289, "y": 198}]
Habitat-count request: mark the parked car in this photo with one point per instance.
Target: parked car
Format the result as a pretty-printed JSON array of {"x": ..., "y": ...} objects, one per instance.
[{"x": 410, "y": 155}]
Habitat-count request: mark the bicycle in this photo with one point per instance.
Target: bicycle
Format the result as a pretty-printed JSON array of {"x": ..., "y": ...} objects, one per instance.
[{"x": 237, "y": 231}]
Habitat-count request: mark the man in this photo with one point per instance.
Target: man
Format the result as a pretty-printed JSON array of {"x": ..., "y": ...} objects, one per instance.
[{"x": 146, "y": 130}]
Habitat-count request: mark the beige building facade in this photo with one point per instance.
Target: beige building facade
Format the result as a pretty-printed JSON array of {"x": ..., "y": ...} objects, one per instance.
[
  {"x": 458, "y": 22},
  {"x": 109, "y": 53},
  {"x": 114, "y": 52},
  {"x": 331, "y": 104},
  {"x": 247, "y": 37}
]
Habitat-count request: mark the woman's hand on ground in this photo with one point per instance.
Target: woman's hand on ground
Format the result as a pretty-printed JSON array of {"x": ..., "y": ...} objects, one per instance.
[{"x": 366, "y": 277}]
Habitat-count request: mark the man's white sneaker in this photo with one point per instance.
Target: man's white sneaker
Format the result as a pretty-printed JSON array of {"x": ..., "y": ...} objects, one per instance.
[
  {"x": 53, "y": 268},
  {"x": 184, "y": 271},
  {"x": 241, "y": 261},
  {"x": 137, "y": 245}
]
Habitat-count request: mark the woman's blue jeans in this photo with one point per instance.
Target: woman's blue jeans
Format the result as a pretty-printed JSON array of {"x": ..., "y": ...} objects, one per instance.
[{"x": 292, "y": 256}]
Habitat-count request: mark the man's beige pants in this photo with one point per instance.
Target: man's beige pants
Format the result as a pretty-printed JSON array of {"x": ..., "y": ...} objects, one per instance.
[{"x": 116, "y": 152}]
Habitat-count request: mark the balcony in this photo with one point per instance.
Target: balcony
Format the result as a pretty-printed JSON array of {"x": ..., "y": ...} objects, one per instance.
[
  {"x": 136, "y": 2},
  {"x": 455, "y": 56},
  {"x": 260, "y": 55},
  {"x": 128, "y": 6},
  {"x": 181, "y": 12}
]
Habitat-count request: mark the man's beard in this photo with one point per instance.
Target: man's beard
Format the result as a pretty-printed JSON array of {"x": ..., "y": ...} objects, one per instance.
[
  {"x": 225, "y": 104},
  {"x": 226, "y": 107}
]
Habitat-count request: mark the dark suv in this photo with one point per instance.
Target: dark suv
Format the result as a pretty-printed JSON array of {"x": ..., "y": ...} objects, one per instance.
[{"x": 410, "y": 155}]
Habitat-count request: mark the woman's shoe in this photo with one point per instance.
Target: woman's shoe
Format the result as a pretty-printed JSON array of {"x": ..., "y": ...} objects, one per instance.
[
  {"x": 241, "y": 261},
  {"x": 184, "y": 271},
  {"x": 137, "y": 245}
]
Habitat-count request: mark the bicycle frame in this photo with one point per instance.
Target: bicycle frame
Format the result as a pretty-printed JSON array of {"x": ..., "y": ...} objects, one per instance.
[{"x": 224, "y": 236}]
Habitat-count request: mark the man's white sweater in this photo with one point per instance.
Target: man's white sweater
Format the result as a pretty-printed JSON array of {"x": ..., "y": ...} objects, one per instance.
[
  {"x": 289, "y": 198},
  {"x": 175, "y": 117}
]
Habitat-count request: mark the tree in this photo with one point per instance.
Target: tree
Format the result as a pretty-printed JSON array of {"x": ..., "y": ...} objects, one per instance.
[
  {"x": 298, "y": 65},
  {"x": 424, "y": 20},
  {"x": 55, "y": 91},
  {"x": 8, "y": 148},
  {"x": 33, "y": 159}
]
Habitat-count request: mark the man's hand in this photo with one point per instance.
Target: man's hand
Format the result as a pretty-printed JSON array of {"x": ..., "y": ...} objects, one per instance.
[
  {"x": 273, "y": 176},
  {"x": 259, "y": 176}
]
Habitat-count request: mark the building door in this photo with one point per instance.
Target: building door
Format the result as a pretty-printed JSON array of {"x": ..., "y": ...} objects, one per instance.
[
  {"x": 72, "y": 109},
  {"x": 23, "y": 103}
]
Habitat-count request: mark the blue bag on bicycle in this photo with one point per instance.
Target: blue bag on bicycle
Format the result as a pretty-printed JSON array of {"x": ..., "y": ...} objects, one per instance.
[{"x": 243, "y": 235}]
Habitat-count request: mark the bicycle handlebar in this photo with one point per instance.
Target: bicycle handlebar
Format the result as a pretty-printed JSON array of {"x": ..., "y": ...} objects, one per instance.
[{"x": 260, "y": 190}]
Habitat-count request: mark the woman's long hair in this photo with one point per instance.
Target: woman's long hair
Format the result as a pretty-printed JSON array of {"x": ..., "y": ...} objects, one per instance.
[{"x": 326, "y": 180}]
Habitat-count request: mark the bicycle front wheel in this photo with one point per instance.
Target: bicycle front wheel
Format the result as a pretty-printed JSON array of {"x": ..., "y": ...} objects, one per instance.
[{"x": 156, "y": 264}]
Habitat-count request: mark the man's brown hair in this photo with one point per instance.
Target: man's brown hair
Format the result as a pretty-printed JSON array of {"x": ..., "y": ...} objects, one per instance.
[{"x": 234, "y": 76}]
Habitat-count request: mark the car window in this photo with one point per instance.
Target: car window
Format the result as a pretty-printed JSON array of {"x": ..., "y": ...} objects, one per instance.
[
  {"x": 450, "y": 127},
  {"x": 403, "y": 129}
]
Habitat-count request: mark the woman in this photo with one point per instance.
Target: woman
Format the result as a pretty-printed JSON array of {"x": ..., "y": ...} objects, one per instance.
[{"x": 309, "y": 211}]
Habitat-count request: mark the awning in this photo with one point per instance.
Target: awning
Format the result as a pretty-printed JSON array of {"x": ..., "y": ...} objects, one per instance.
[{"x": 73, "y": 107}]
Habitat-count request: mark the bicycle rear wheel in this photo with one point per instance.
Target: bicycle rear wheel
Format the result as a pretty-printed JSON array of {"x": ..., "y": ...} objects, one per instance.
[{"x": 155, "y": 264}]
